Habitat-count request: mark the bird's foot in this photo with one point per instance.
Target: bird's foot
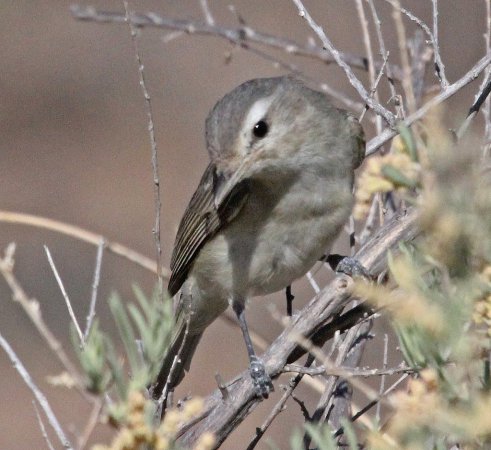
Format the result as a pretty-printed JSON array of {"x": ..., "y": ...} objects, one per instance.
[
  {"x": 262, "y": 382},
  {"x": 352, "y": 267}
]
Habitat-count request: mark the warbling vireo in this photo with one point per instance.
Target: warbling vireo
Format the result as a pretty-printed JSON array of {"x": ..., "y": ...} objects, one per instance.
[{"x": 274, "y": 197}]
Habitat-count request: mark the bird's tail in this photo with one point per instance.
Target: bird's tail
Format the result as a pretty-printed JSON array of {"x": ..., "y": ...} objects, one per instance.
[{"x": 177, "y": 360}]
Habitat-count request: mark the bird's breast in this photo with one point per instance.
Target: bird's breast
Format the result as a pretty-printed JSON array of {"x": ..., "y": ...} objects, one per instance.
[{"x": 276, "y": 238}]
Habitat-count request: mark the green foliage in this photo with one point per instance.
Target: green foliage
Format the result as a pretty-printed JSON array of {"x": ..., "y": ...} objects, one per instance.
[
  {"x": 440, "y": 306},
  {"x": 321, "y": 436},
  {"x": 145, "y": 329},
  {"x": 92, "y": 358},
  {"x": 438, "y": 297}
]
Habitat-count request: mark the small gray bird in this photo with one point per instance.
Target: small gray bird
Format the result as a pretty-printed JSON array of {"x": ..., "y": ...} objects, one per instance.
[{"x": 273, "y": 199}]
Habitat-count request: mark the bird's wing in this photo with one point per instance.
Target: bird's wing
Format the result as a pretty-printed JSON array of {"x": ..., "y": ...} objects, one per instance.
[{"x": 203, "y": 219}]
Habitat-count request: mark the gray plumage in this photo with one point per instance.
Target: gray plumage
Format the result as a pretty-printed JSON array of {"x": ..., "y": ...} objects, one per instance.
[{"x": 266, "y": 208}]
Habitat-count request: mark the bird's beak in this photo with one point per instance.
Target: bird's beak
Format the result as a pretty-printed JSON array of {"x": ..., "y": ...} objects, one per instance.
[{"x": 231, "y": 181}]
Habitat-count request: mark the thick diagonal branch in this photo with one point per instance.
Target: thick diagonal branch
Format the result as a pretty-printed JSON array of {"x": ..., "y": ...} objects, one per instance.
[{"x": 221, "y": 417}]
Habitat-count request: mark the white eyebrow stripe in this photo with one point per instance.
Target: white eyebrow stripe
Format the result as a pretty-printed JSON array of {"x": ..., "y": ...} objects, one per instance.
[{"x": 257, "y": 112}]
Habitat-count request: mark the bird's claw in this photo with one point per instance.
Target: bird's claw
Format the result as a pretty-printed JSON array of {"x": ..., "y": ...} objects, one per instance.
[
  {"x": 262, "y": 382},
  {"x": 352, "y": 267}
]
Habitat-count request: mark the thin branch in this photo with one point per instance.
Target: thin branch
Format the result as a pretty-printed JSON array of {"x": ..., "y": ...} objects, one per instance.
[
  {"x": 481, "y": 97},
  {"x": 207, "y": 12},
  {"x": 375, "y": 143},
  {"x": 439, "y": 66},
  {"x": 322, "y": 408},
  {"x": 279, "y": 407},
  {"x": 65, "y": 295},
  {"x": 433, "y": 37},
  {"x": 369, "y": 226},
  {"x": 340, "y": 371},
  {"x": 371, "y": 404},
  {"x": 42, "y": 427},
  {"x": 95, "y": 286},
  {"x": 153, "y": 143},
  {"x": 31, "y": 308},
  {"x": 395, "y": 4},
  {"x": 421, "y": 55},
  {"x": 160, "y": 389},
  {"x": 383, "y": 51},
  {"x": 371, "y": 67},
  {"x": 312, "y": 282},
  {"x": 407, "y": 84},
  {"x": 82, "y": 235},
  {"x": 342, "y": 398},
  {"x": 91, "y": 424},
  {"x": 237, "y": 36},
  {"x": 487, "y": 108},
  {"x": 355, "y": 82},
  {"x": 382, "y": 379},
  {"x": 41, "y": 399},
  {"x": 373, "y": 91}
]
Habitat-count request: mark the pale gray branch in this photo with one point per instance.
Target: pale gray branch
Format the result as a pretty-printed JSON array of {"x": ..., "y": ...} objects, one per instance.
[
  {"x": 95, "y": 286},
  {"x": 355, "y": 82},
  {"x": 239, "y": 36},
  {"x": 153, "y": 144},
  {"x": 65, "y": 295},
  {"x": 375, "y": 143},
  {"x": 41, "y": 399},
  {"x": 42, "y": 427}
]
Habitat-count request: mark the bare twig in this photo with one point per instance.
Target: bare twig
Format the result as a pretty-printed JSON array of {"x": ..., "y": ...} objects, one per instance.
[
  {"x": 41, "y": 399},
  {"x": 388, "y": 70},
  {"x": 421, "y": 55},
  {"x": 82, "y": 235},
  {"x": 369, "y": 226},
  {"x": 481, "y": 97},
  {"x": 471, "y": 75},
  {"x": 91, "y": 424},
  {"x": 312, "y": 282},
  {"x": 395, "y": 4},
  {"x": 433, "y": 37},
  {"x": 371, "y": 66},
  {"x": 65, "y": 295},
  {"x": 31, "y": 308},
  {"x": 322, "y": 408},
  {"x": 164, "y": 385},
  {"x": 95, "y": 286},
  {"x": 153, "y": 143},
  {"x": 355, "y": 82},
  {"x": 371, "y": 404},
  {"x": 407, "y": 84},
  {"x": 42, "y": 427},
  {"x": 382, "y": 379},
  {"x": 238, "y": 36},
  {"x": 487, "y": 108},
  {"x": 373, "y": 91},
  {"x": 207, "y": 12},
  {"x": 342, "y": 398},
  {"x": 439, "y": 66},
  {"x": 340, "y": 371},
  {"x": 221, "y": 385}
]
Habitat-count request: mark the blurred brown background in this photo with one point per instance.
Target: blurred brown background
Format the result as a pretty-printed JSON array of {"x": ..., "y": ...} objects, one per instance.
[{"x": 74, "y": 147}]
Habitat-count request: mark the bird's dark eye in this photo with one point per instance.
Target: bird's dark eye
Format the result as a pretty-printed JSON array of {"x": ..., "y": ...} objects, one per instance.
[{"x": 260, "y": 129}]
